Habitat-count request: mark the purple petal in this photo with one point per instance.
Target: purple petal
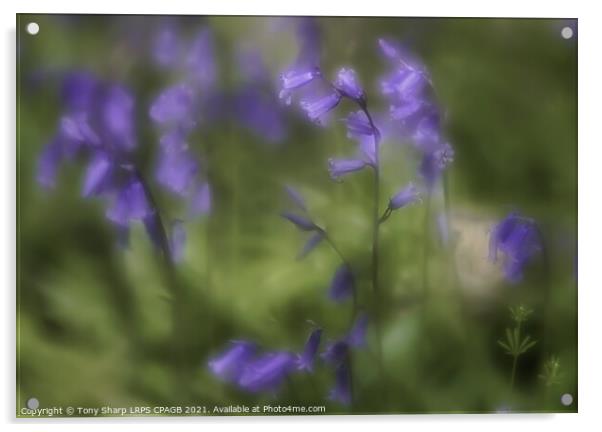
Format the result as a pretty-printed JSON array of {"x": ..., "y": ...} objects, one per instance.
[
  {"x": 130, "y": 203},
  {"x": 317, "y": 107},
  {"x": 342, "y": 389},
  {"x": 406, "y": 196},
  {"x": 347, "y": 83},
  {"x": 118, "y": 116},
  {"x": 166, "y": 47},
  {"x": 342, "y": 284},
  {"x": 341, "y": 167},
  {"x": 78, "y": 91},
  {"x": 177, "y": 170},
  {"x": 267, "y": 372},
  {"x": 230, "y": 365},
  {"x": 306, "y": 360},
  {"x": 357, "y": 335},
  {"x": 201, "y": 200},
  {"x": 98, "y": 175},
  {"x": 201, "y": 60},
  {"x": 336, "y": 352},
  {"x": 358, "y": 125},
  {"x": 295, "y": 197},
  {"x": 174, "y": 105},
  {"x": 301, "y": 222},
  {"x": 313, "y": 241}
]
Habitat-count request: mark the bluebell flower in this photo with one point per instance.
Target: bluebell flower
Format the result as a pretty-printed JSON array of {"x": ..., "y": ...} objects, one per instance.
[
  {"x": 258, "y": 112},
  {"x": 305, "y": 361},
  {"x": 342, "y": 285},
  {"x": 118, "y": 115},
  {"x": 166, "y": 47},
  {"x": 177, "y": 171},
  {"x": 267, "y": 372},
  {"x": 348, "y": 85},
  {"x": 301, "y": 222},
  {"x": 201, "y": 65},
  {"x": 312, "y": 242},
  {"x": 295, "y": 197},
  {"x": 341, "y": 167},
  {"x": 201, "y": 201},
  {"x": 336, "y": 352},
  {"x": 98, "y": 176},
  {"x": 356, "y": 337},
  {"x": 318, "y": 106},
  {"x": 358, "y": 125},
  {"x": 231, "y": 364},
  {"x": 174, "y": 106},
  {"x": 130, "y": 203},
  {"x": 518, "y": 239},
  {"x": 407, "y": 195},
  {"x": 341, "y": 392},
  {"x": 434, "y": 163}
]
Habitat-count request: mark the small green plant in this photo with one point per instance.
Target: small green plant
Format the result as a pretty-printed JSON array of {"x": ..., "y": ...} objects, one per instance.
[
  {"x": 515, "y": 344},
  {"x": 551, "y": 372}
]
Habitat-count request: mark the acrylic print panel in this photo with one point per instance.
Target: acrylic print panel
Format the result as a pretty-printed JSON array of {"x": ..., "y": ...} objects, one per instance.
[{"x": 296, "y": 215}]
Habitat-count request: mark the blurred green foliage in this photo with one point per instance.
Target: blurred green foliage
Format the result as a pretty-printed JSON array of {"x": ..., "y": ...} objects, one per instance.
[{"x": 95, "y": 321}]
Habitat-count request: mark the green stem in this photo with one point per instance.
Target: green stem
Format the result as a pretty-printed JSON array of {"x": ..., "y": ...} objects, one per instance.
[
  {"x": 512, "y": 377},
  {"x": 424, "y": 267}
]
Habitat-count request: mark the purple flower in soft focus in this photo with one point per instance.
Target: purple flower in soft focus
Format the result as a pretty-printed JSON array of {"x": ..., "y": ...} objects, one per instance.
[
  {"x": 318, "y": 106},
  {"x": 130, "y": 203},
  {"x": 406, "y": 196},
  {"x": 295, "y": 197},
  {"x": 518, "y": 239},
  {"x": 341, "y": 392},
  {"x": 200, "y": 202},
  {"x": 267, "y": 372},
  {"x": 177, "y": 171},
  {"x": 201, "y": 60},
  {"x": 48, "y": 163},
  {"x": 166, "y": 47},
  {"x": 98, "y": 175},
  {"x": 118, "y": 114},
  {"x": 341, "y": 167},
  {"x": 301, "y": 222},
  {"x": 175, "y": 105},
  {"x": 434, "y": 163},
  {"x": 358, "y": 125},
  {"x": 230, "y": 365},
  {"x": 78, "y": 91},
  {"x": 305, "y": 361},
  {"x": 258, "y": 112},
  {"x": 312, "y": 242},
  {"x": 347, "y": 84},
  {"x": 336, "y": 352},
  {"x": 356, "y": 337},
  {"x": 342, "y": 285}
]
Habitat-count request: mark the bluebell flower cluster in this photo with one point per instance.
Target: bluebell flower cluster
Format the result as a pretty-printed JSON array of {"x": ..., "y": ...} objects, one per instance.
[
  {"x": 518, "y": 240},
  {"x": 98, "y": 125},
  {"x": 253, "y": 370},
  {"x": 409, "y": 90}
]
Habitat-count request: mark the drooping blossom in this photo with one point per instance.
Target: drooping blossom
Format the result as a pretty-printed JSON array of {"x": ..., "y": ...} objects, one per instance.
[
  {"x": 305, "y": 361},
  {"x": 347, "y": 84},
  {"x": 267, "y": 372},
  {"x": 230, "y": 365},
  {"x": 341, "y": 392},
  {"x": 518, "y": 240},
  {"x": 303, "y": 221},
  {"x": 407, "y": 195},
  {"x": 343, "y": 284}
]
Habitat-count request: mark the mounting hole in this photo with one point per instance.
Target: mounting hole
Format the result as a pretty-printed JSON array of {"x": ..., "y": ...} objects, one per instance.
[
  {"x": 33, "y": 403},
  {"x": 566, "y": 399},
  {"x": 566, "y": 32},
  {"x": 33, "y": 28}
]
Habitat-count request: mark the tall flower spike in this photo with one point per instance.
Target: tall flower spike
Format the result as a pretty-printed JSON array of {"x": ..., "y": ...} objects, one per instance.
[
  {"x": 406, "y": 196},
  {"x": 305, "y": 361},
  {"x": 342, "y": 285}
]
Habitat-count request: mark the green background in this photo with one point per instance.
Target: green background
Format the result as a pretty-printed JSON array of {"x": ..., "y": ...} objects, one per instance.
[{"x": 95, "y": 322}]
